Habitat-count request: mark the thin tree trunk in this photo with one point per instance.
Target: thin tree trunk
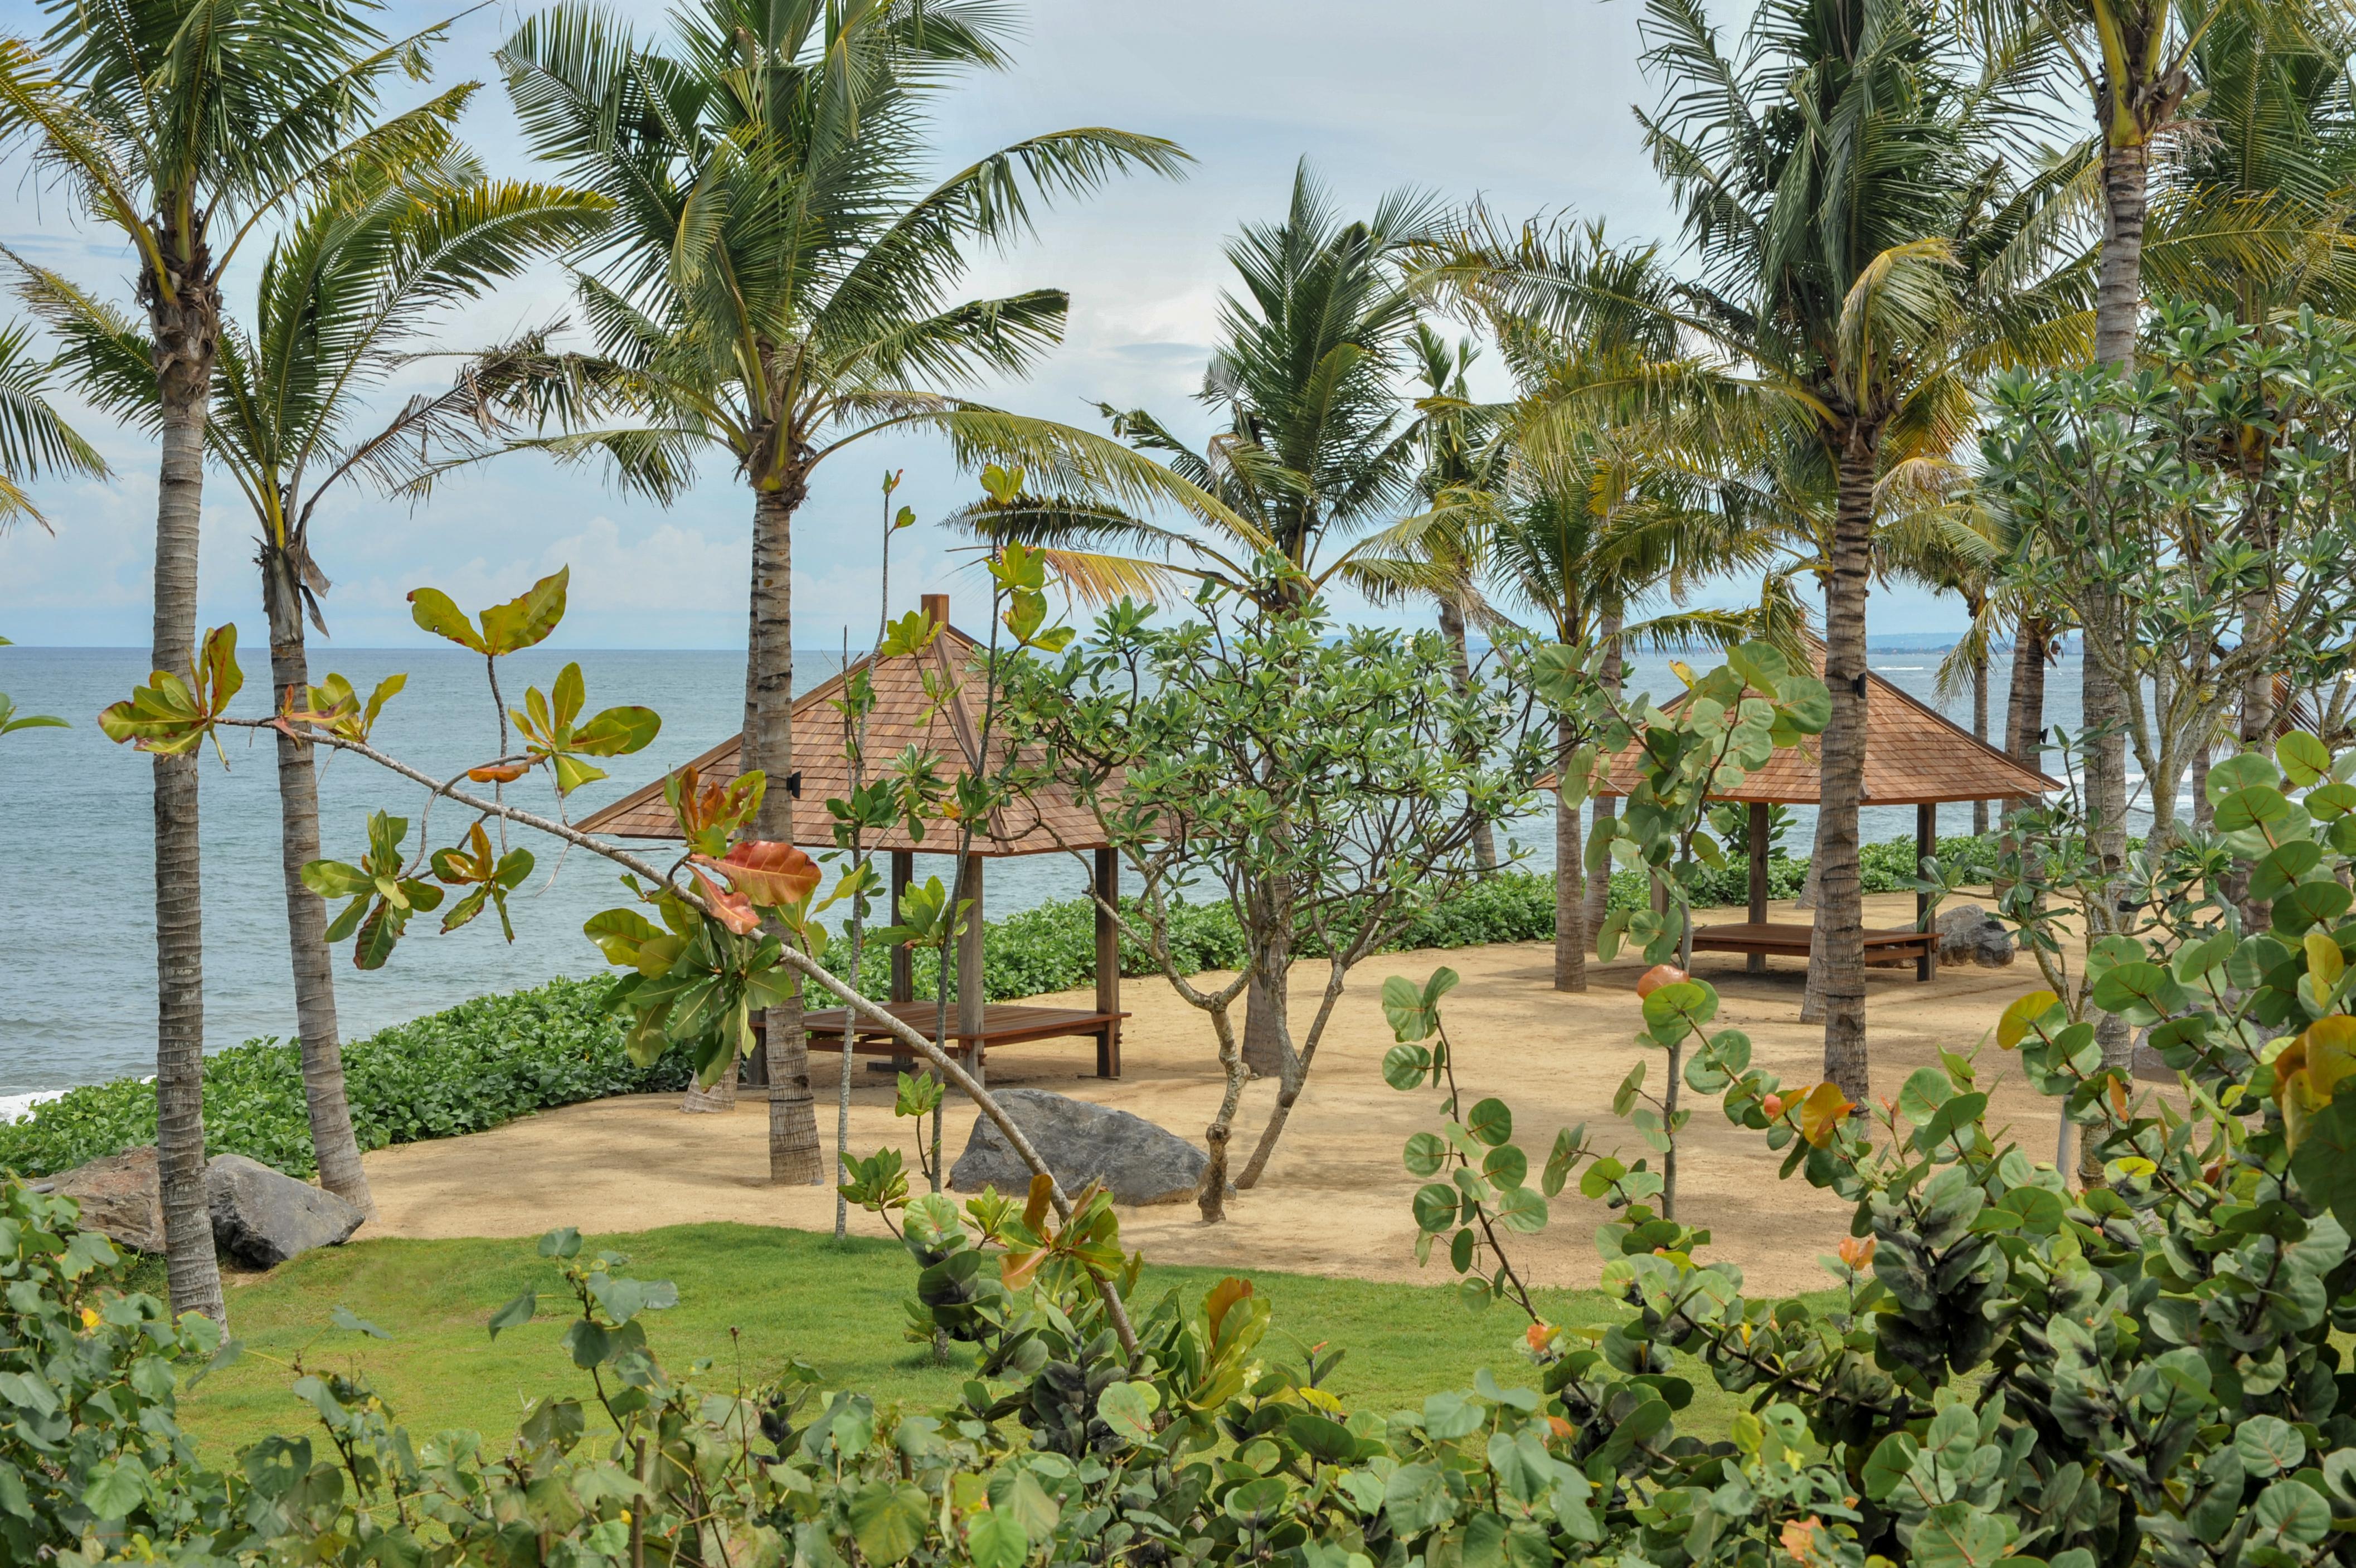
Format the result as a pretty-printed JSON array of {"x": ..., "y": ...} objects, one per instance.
[
  {"x": 1604, "y": 815},
  {"x": 1840, "y": 921},
  {"x": 1569, "y": 892},
  {"x": 1451, "y": 627},
  {"x": 2197, "y": 781},
  {"x": 333, "y": 1143},
  {"x": 796, "y": 1157},
  {"x": 1211, "y": 1197},
  {"x": 184, "y": 332},
  {"x": 1980, "y": 729},
  {"x": 1812, "y": 991},
  {"x": 2100, "y": 708}
]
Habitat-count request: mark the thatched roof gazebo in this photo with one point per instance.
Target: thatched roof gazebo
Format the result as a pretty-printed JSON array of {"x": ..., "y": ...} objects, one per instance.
[
  {"x": 905, "y": 713},
  {"x": 1914, "y": 756}
]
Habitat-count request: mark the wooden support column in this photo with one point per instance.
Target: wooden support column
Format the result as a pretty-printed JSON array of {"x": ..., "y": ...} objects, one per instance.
[
  {"x": 1756, "y": 963},
  {"x": 1926, "y": 845},
  {"x": 904, "y": 962},
  {"x": 1108, "y": 890},
  {"x": 970, "y": 999}
]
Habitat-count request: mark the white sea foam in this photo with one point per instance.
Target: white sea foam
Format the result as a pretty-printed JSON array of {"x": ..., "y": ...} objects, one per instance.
[{"x": 16, "y": 1107}]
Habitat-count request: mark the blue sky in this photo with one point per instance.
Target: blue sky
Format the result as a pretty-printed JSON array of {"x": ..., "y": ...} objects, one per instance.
[{"x": 1521, "y": 101}]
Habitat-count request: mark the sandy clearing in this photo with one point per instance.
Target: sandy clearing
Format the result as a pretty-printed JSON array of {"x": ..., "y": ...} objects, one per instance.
[{"x": 1336, "y": 1197}]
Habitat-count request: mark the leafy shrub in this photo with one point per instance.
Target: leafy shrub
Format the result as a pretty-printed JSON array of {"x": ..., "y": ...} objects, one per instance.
[
  {"x": 2150, "y": 1369},
  {"x": 88, "y": 1444},
  {"x": 472, "y": 1066}
]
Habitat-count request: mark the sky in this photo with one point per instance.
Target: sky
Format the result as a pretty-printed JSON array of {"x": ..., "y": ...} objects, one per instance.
[{"x": 1524, "y": 103}]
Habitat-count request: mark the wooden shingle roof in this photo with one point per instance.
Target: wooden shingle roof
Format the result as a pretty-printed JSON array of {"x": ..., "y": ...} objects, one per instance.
[
  {"x": 905, "y": 714},
  {"x": 1914, "y": 754}
]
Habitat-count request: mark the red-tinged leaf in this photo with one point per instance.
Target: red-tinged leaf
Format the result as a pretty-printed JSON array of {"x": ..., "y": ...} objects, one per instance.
[
  {"x": 497, "y": 773},
  {"x": 529, "y": 618},
  {"x": 772, "y": 875},
  {"x": 733, "y": 910},
  {"x": 436, "y": 612}
]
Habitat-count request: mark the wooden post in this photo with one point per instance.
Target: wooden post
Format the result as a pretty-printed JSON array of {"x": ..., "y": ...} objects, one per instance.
[
  {"x": 904, "y": 964},
  {"x": 1107, "y": 888},
  {"x": 1926, "y": 845},
  {"x": 968, "y": 958},
  {"x": 1756, "y": 963}
]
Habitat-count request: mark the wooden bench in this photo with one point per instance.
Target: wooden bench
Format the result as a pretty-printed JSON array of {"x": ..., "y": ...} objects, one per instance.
[
  {"x": 1003, "y": 1024},
  {"x": 1884, "y": 949}
]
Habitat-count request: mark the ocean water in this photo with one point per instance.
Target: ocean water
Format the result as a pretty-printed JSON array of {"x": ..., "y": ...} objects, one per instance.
[{"x": 77, "y": 935}]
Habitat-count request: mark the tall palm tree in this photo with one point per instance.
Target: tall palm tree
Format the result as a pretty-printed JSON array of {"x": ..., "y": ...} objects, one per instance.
[
  {"x": 778, "y": 284},
  {"x": 184, "y": 124},
  {"x": 1865, "y": 251},
  {"x": 340, "y": 302}
]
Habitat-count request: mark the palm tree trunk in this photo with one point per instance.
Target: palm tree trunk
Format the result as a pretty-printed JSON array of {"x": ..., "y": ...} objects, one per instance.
[
  {"x": 2118, "y": 303},
  {"x": 2118, "y": 292},
  {"x": 1451, "y": 627},
  {"x": 796, "y": 1157},
  {"x": 1569, "y": 896},
  {"x": 1980, "y": 729},
  {"x": 2024, "y": 714},
  {"x": 1598, "y": 883},
  {"x": 1840, "y": 920},
  {"x": 185, "y": 329},
  {"x": 333, "y": 1143}
]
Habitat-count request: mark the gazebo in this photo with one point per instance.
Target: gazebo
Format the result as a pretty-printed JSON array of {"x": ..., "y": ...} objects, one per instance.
[
  {"x": 1914, "y": 756},
  {"x": 1046, "y": 821}
]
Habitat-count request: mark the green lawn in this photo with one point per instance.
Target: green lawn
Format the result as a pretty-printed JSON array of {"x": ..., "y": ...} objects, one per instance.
[{"x": 784, "y": 1293}]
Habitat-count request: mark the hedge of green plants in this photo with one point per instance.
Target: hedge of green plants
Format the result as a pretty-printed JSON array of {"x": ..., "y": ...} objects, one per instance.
[
  {"x": 492, "y": 1059},
  {"x": 465, "y": 1069}
]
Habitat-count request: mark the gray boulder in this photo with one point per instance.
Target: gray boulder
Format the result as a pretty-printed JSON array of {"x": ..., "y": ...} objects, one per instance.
[
  {"x": 1969, "y": 934},
  {"x": 263, "y": 1216},
  {"x": 120, "y": 1198},
  {"x": 1136, "y": 1160}
]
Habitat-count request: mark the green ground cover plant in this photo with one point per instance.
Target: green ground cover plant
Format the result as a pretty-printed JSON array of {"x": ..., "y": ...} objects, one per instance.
[{"x": 440, "y": 1369}]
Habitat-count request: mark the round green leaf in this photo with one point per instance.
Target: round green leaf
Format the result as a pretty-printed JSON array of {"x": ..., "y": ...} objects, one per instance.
[
  {"x": 1491, "y": 1121},
  {"x": 1426, "y": 1153},
  {"x": 1435, "y": 1206}
]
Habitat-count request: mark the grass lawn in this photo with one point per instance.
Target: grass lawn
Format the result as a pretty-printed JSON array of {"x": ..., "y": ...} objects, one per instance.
[{"x": 785, "y": 1294}]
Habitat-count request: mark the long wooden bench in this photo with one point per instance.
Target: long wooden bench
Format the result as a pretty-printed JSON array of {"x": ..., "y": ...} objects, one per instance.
[
  {"x": 1886, "y": 949},
  {"x": 1003, "y": 1024}
]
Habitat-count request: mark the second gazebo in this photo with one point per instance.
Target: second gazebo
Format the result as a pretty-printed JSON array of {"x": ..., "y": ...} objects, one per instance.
[
  {"x": 1914, "y": 756},
  {"x": 906, "y": 714}
]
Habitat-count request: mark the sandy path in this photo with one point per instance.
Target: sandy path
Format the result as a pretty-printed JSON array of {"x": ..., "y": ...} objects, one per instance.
[{"x": 1334, "y": 1200}]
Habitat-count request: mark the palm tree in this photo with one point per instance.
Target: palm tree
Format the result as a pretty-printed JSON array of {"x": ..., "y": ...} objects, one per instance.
[
  {"x": 184, "y": 124},
  {"x": 1313, "y": 449},
  {"x": 35, "y": 443},
  {"x": 341, "y": 299},
  {"x": 1866, "y": 252},
  {"x": 777, "y": 284}
]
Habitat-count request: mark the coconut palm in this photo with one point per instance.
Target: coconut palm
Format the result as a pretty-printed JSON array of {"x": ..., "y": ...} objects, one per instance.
[
  {"x": 1866, "y": 251},
  {"x": 1314, "y": 448},
  {"x": 339, "y": 306},
  {"x": 778, "y": 281},
  {"x": 185, "y": 124}
]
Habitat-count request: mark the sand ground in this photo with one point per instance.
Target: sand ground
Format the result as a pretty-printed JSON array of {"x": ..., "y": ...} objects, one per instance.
[{"x": 1336, "y": 1197}]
